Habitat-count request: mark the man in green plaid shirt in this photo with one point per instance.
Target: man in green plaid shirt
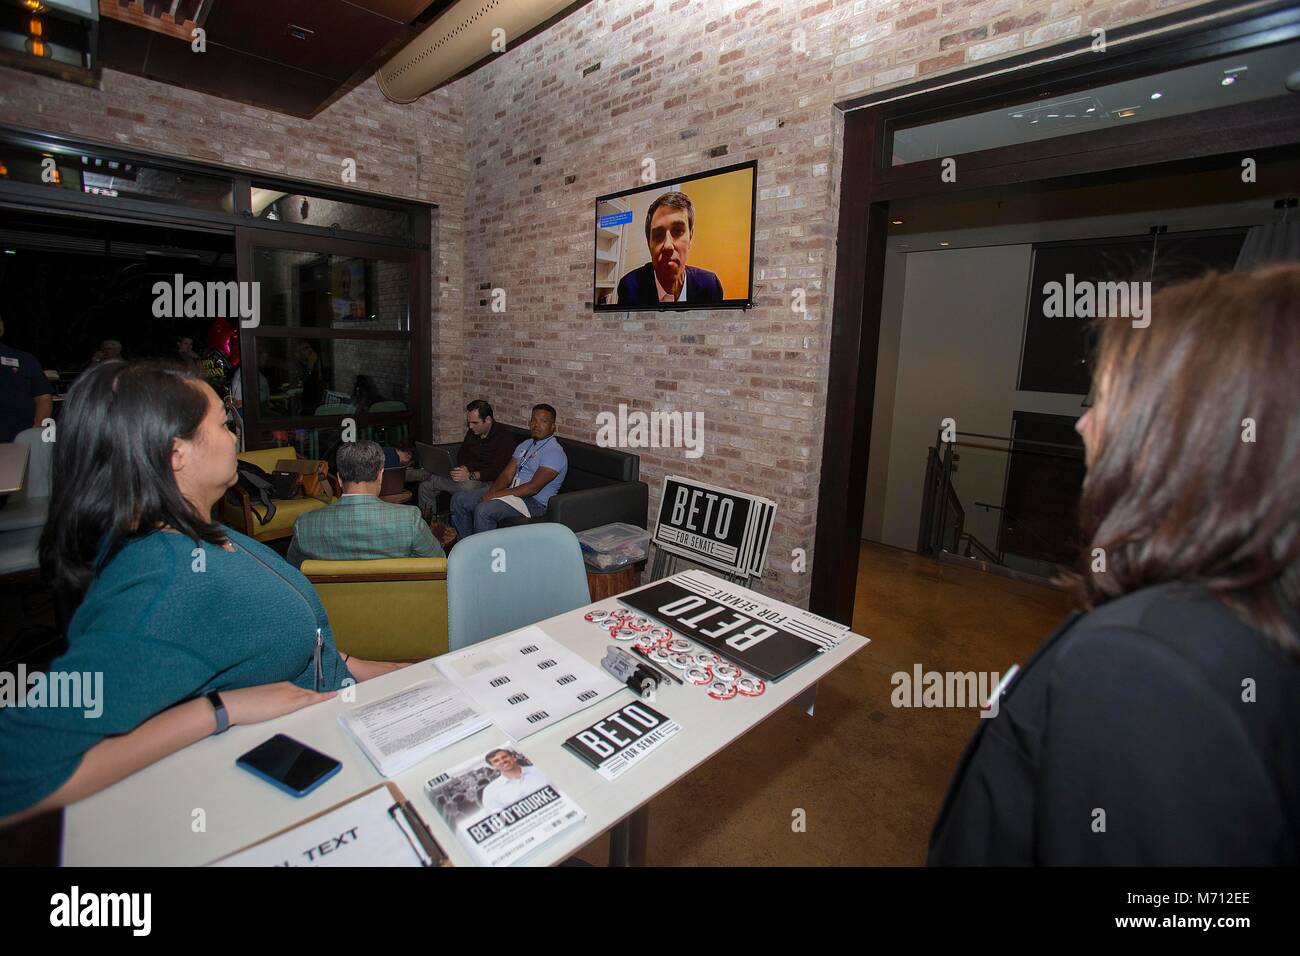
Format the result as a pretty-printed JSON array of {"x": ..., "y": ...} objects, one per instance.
[{"x": 359, "y": 526}]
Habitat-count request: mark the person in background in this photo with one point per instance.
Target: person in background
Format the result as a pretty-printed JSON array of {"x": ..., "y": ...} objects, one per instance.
[
  {"x": 359, "y": 526},
  {"x": 364, "y": 393},
  {"x": 185, "y": 349},
  {"x": 484, "y": 452},
  {"x": 402, "y": 455},
  {"x": 311, "y": 376},
  {"x": 1162, "y": 727},
  {"x": 181, "y": 626},
  {"x": 26, "y": 398},
  {"x": 237, "y": 388},
  {"x": 108, "y": 350},
  {"x": 534, "y": 475}
]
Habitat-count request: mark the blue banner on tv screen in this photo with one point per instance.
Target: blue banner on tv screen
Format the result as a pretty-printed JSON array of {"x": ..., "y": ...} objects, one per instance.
[{"x": 615, "y": 219}]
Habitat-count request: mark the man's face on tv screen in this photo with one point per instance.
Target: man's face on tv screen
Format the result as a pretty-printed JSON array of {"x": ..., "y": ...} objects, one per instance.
[{"x": 670, "y": 242}]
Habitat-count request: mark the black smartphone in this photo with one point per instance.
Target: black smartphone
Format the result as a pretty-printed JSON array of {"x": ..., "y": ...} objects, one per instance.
[{"x": 292, "y": 766}]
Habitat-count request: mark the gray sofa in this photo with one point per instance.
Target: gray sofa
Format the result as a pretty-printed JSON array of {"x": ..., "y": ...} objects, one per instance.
[{"x": 602, "y": 486}]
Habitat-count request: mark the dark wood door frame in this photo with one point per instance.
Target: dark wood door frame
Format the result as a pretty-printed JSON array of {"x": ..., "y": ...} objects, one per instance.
[{"x": 869, "y": 182}]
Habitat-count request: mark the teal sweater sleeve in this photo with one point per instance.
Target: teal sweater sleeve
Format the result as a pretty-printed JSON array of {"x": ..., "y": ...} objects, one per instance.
[{"x": 164, "y": 622}]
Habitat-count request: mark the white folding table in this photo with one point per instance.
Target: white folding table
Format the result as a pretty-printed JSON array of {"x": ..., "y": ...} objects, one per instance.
[{"x": 196, "y": 805}]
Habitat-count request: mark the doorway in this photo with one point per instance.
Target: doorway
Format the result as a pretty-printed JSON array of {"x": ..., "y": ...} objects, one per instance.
[{"x": 1024, "y": 133}]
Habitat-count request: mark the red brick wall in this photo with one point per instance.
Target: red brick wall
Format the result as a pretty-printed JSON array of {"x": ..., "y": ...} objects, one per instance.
[{"x": 676, "y": 79}]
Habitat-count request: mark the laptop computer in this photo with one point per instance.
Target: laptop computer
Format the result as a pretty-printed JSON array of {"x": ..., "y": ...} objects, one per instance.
[{"x": 436, "y": 461}]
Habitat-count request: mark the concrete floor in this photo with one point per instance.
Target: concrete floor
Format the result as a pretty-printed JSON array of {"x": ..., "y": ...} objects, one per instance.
[{"x": 869, "y": 777}]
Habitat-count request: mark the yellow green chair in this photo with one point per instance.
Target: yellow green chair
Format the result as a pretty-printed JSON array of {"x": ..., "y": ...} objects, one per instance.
[
  {"x": 390, "y": 609},
  {"x": 236, "y": 507}
]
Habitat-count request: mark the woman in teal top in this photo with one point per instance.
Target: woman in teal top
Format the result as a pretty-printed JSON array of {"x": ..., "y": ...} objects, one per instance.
[{"x": 170, "y": 606}]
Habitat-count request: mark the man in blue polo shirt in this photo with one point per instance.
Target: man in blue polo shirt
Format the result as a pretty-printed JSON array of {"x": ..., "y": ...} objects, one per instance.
[
  {"x": 534, "y": 474},
  {"x": 25, "y": 393}
]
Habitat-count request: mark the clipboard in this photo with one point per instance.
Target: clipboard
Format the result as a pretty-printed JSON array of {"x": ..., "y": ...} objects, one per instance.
[{"x": 403, "y": 815}]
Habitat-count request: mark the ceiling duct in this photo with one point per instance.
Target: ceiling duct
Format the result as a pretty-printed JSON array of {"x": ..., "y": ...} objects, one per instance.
[{"x": 462, "y": 37}]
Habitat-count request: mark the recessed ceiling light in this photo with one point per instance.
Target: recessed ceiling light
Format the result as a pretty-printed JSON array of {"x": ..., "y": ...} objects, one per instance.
[
  {"x": 896, "y": 222},
  {"x": 1156, "y": 95},
  {"x": 1228, "y": 81},
  {"x": 1091, "y": 109},
  {"x": 944, "y": 243}
]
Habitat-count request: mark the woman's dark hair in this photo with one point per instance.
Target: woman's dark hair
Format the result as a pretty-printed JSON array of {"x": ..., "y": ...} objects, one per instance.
[
  {"x": 113, "y": 478},
  {"x": 1195, "y": 473}
]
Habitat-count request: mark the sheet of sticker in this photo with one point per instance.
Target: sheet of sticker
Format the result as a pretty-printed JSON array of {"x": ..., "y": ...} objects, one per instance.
[{"x": 721, "y": 679}]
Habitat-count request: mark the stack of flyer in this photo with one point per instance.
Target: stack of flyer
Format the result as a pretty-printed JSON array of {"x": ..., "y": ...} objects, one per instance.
[
  {"x": 501, "y": 806},
  {"x": 526, "y": 680},
  {"x": 397, "y": 732}
]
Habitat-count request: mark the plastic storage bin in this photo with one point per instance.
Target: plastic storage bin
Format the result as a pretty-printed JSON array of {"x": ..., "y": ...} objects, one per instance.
[{"x": 614, "y": 546}]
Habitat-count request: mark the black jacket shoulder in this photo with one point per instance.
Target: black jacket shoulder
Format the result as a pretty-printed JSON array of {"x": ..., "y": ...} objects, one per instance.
[{"x": 1157, "y": 729}]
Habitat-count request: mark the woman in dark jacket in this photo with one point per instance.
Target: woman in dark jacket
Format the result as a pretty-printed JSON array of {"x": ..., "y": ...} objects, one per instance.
[{"x": 1162, "y": 726}]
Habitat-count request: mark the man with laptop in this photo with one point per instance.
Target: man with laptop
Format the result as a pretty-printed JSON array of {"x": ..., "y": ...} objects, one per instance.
[
  {"x": 484, "y": 452},
  {"x": 534, "y": 474},
  {"x": 359, "y": 526}
]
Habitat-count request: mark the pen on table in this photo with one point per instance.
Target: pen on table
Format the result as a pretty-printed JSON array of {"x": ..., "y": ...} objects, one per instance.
[{"x": 320, "y": 671}]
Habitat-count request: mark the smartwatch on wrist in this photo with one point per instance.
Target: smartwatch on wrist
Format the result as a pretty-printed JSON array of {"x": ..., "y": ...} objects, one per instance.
[{"x": 220, "y": 712}]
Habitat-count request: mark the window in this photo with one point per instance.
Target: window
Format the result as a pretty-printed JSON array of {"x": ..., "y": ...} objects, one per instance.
[
  {"x": 273, "y": 205},
  {"x": 95, "y": 173}
]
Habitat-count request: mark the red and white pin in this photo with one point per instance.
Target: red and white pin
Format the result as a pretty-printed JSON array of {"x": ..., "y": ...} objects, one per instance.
[{"x": 722, "y": 690}]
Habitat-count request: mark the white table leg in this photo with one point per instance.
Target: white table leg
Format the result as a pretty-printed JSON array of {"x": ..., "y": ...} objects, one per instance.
[{"x": 806, "y": 701}]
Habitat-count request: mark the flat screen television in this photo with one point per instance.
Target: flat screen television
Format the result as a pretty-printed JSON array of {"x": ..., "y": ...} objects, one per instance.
[{"x": 680, "y": 244}]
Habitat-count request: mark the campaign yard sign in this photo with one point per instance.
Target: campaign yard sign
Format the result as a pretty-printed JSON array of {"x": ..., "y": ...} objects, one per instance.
[{"x": 722, "y": 529}]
